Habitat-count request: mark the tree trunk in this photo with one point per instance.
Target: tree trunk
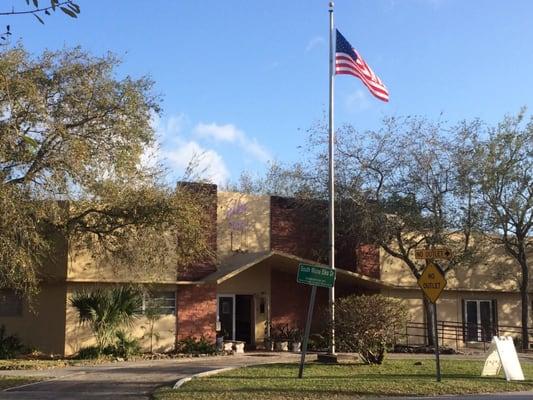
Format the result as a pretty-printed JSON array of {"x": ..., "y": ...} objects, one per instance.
[
  {"x": 525, "y": 315},
  {"x": 428, "y": 310},
  {"x": 524, "y": 294}
]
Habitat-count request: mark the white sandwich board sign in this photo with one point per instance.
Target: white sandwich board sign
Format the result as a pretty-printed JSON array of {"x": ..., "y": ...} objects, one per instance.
[{"x": 502, "y": 353}]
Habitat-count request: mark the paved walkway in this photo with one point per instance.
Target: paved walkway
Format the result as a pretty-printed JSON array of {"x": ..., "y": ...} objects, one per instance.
[{"x": 126, "y": 380}]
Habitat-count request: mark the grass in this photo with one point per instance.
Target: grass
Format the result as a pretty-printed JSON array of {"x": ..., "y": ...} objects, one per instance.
[
  {"x": 393, "y": 378},
  {"x": 26, "y": 364},
  {"x": 12, "y": 381}
]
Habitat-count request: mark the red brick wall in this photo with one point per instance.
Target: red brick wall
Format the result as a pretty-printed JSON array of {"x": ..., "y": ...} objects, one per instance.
[
  {"x": 196, "y": 309},
  {"x": 289, "y": 301},
  {"x": 207, "y": 196},
  {"x": 301, "y": 228},
  {"x": 368, "y": 260}
]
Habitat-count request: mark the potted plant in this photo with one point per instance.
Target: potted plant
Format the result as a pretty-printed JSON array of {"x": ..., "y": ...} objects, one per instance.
[
  {"x": 295, "y": 339},
  {"x": 280, "y": 335}
]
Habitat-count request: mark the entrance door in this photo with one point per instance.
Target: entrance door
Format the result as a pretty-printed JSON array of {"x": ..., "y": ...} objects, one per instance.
[
  {"x": 244, "y": 318},
  {"x": 226, "y": 316},
  {"x": 479, "y": 320}
]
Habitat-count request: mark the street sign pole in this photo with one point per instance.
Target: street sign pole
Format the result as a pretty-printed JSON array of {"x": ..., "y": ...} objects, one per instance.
[
  {"x": 314, "y": 276},
  {"x": 432, "y": 282},
  {"x": 436, "y": 339},
  {"x": 307, "y": 330}
]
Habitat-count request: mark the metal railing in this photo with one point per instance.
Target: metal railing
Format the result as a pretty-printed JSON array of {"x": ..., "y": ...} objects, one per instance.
[{"x": 458, "y": 334}]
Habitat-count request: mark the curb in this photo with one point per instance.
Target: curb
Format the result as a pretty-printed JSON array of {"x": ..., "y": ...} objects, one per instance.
[{"x": 181, "y": 381}]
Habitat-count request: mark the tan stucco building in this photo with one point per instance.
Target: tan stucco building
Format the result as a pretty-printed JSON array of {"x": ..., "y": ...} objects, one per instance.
[{"x": 260, "y": 240}]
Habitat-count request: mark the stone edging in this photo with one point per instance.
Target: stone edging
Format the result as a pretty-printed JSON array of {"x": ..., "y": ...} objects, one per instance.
[{"x": 181, "y": 381}]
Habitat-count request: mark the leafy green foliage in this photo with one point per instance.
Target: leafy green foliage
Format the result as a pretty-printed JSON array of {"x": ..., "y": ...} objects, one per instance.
[
  {"x": 285, "y": 332},
  {"x": 126, "y": 346},
  {"x": 366, "y": 325},
  {"x": 90, "y": 353},
  {"x": 10, "y": 345},
  {"x": 152, "y": 314},
  {"x": 72, "y": 168},
  {"x": 106, "y": 311},
  {"x": 192, "y": 345}
]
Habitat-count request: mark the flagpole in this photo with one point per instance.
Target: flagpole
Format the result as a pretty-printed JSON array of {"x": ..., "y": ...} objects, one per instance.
[{"x": 331, "y": 187}]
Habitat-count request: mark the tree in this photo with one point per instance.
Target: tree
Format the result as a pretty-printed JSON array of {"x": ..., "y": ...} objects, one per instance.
[
  {"x": 406, "y": 186},
  {"x": 107, "y": 311},
  {"x": 414, "y": 187},
  {"x": 72, "y": 142},
  {"x": 371, "y": 329},
  {"x": 505, "y": 175}
]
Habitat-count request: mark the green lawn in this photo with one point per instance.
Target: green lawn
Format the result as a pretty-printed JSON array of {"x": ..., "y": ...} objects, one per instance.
[
  {"x": 12, "y": 381},
  {"x": 393, "y": 378}
]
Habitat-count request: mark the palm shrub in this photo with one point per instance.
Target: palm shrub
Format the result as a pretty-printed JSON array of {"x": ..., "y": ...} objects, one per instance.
[
  {"x": 10, "y": 345},
  {"x": 107, "y": 311},
  {"x": 366, "y": 324},
  {"x": 126, "y": 346}
]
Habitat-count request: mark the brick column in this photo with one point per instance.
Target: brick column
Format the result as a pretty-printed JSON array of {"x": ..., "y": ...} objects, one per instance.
[{"x": 196, "y": 311}]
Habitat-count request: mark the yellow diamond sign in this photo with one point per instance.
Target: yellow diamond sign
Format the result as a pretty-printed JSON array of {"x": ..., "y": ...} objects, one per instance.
[{"x": 432, "y": 282}]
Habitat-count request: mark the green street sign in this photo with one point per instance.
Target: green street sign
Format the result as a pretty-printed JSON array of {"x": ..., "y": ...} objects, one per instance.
[{"x": 315, "y": 275}]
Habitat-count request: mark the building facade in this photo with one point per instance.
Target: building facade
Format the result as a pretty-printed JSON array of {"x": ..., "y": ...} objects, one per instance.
[{"x": 260, "y": 241}]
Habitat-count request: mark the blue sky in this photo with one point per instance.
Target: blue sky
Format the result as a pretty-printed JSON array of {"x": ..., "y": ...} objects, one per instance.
[{"x": 243, "y": 80}]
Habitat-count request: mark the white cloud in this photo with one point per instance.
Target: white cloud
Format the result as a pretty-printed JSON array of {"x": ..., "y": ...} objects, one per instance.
[
  {"x": 207, "y": 163},
  {"x": 220, "y": 133},
  {"x": 314, "y": 42},
  {"x": 231, "y": 134},
  {"x": 169, "y": 128},
  {"x": 178, "y": 153}
]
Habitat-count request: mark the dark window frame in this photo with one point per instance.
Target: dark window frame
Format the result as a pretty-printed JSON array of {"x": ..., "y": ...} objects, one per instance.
[
  {"x": 164, "y": 301},
  {"x": 10, "y": 298}
]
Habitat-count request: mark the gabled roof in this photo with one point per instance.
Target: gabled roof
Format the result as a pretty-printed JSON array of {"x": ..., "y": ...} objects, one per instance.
[{"x": 234, "y": 265}]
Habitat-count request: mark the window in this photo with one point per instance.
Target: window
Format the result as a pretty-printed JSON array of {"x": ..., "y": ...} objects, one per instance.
[
  {"x": 480, "y": 320},
  {"x": 10, "y": 304},
  {"x": 161, "y": 302}
]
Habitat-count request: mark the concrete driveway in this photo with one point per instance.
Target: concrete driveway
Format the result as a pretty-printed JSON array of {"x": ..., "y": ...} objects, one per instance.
[{"x": 126, "y": 380}]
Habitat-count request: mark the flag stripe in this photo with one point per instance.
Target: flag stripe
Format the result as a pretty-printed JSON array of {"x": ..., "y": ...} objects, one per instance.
[
  {"x": 373, "y": 85},
  {"x": 349, "y": 62}
]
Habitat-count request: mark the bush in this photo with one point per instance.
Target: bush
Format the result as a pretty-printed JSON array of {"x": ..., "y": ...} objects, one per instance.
[
  {"x": 283, "y": 332},
  {"x": 89, "y": 353},
  {"x": 107, "y": 311},
  {"x": 192, "y": 345},
  {"x": 124, "y": 347},
  {"x": 10, "y": 345},
  {"x": 366, "y": 325},
  {"x": 317, "y": 342}
]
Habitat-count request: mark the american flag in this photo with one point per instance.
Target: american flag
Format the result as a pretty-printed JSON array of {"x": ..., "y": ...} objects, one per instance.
[{"x": 349, "y": 62}]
